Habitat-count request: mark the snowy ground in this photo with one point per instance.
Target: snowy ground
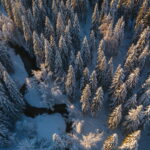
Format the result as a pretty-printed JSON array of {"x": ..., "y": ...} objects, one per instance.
[{"x": 20, "y": 74}]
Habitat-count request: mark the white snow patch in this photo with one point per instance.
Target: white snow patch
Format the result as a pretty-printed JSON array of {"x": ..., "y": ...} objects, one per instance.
[
  {"x": 20, "y": 73},
  {"x": 33, "y": 98},
  {"x": 47, "y": 125}
]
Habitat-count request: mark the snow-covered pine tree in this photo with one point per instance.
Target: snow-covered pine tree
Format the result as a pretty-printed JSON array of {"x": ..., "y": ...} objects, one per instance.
[
  {"x": 85, "y": 51},
  {"x": 92, "y": 43},
  {"x": 49, "y": 56},
  {"x": 54, "y": 10},
  {"x": 118, "y": 35},
  {"x": 13, "y": 91},
  {"x": 30, "y": 19},
  {"x": 8, "y": 7},
  {"x": 144, "y": 99},
  {"x": 101, "y": 63},
  {"x": 132, "y": 79},
  {"x": 58, "y": 66},
  {"x": 106, "y": 25},
  {"x": 5, "y": 58},
  {"x": 104, "y": 9},
  {"x": 70, "y": 83},
  {"x": 143, "y": 57},
  {"x": 17, "y": 10},
  {"x": 27, "y": 32},
  {"x": 109, "y": 74},
  {"x": 139, "y": 19},
  {"x": 131, "y": 60},
  {"x": 130, "y": 142},
  {"x": 76, "y": 33},
  {"x": 111, "y": 142},
  {"x": 64, "y": 52},
  {"x": 118, "y": 95},
  {"x": 117, "y": 79},
  {"x": 85, "y": 98},
  {"x": 114, "y": 9},
  {"x": 37, "y": 16},
  {"x": 131, "y": 102},
  {"x": 115, "y": 117},
  {"x": 143, "y": 40},
  {"x": 7, "y": 105},
  {"x": 60, "y": 27},
  {"x": 68, "y": 39},
  {"x": 79, "y": 66},
  {"x": 134, "y": 119},
  {"x": 48, "y": 30},
  {"x": 147, "y": 116},
  {"x": 146, "y": 85},
  {"x": 85, "y": 78},
  {"x": 95, "y": 20},
  {"x": 97, "y": 101},
  {"x": 93, "y": 82},
  {"x": 53, "y": 44},
  {"x": 37, "y": 46}
]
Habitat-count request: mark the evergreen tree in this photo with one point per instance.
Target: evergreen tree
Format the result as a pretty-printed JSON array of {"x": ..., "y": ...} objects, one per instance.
[
  {"x": 76, "y": 33},
  {"x": 68, "y": 39},
  {"x": 7, "y": 105},
  {"x": 104, "y": 8},
  {"x": 53, "y": 44},
  {"x": 146, "y": 85},
  {"x": 109, "y": 73},
  {"x": 18, "y": 10},
  {"x": 142, "y": 58},
  {"x": 27, "y": 32},
  {"x": 92, "y": 42},
  {"x": 132, "y": 79},
  {"x": 113, "y": 8},
  {"x": 131, "y": 60},
  {"x": 127, "y": 144},
  {"x": 13, "y": 91},
  {"x": 144, "y": 98},
  {"x": 48, "y": 30},
  {"x": 37, "y": 46},
  {"x": 70, "y": 83},
  {"x": 118, "y": 95},
  {"x": 58, "y": 69},
  {"x": 85, "y": 50},
  {"x": 37, "y": 16},
  {"x": 8, "y": 7},
  {"x": 60, "y": 27},
  {"x": 79, "y": 66},
  {"x": 93, "y": 82},
  {"x": 115, "y": 117},
  {"x": 85, "y": 78},
  {"x": 111, "y": 142},
  {"x": 117, "y": 79},
  {"x": 147, "y": 116},
  {"x": 95, "y": 19},
  {"x": 63, "y": 51},
  {"x": 49, "y": 56},
  {"x": 101, "y": 63},
  {"x": 134, "y": 119},
  {"x": 85, "y": 98},
  {"x": 97, "y": 101},
  {"x": 5, "y": 58},
  {"x": 131, "y": 102},
  {"x": 118, "y": 34}
]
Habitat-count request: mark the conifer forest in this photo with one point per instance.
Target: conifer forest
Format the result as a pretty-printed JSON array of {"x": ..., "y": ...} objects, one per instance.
[{"x": 74, "y": 74}]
